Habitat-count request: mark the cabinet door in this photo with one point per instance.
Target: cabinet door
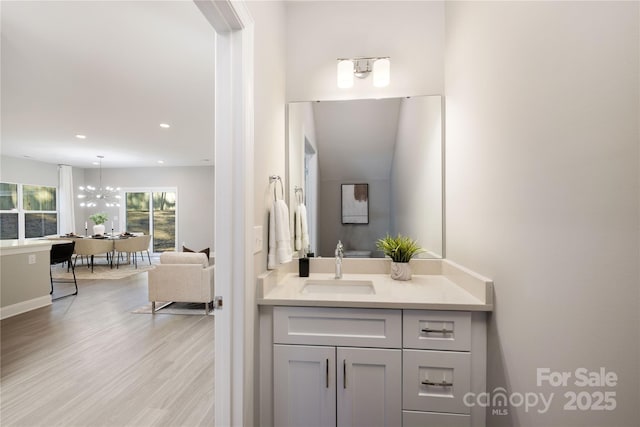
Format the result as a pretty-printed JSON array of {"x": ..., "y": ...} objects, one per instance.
[
  {"x": 369, "y": 387},
  {"x": 304, "y": 386}
]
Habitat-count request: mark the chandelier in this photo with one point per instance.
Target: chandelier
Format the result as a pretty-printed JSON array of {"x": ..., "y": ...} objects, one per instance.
[{"x": 91, "y": 195}]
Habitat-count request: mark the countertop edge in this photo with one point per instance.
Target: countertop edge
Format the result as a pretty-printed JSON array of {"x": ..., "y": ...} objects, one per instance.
[
  {"x": 21, "y": 247},
  {"x": 376, "y": 304}
]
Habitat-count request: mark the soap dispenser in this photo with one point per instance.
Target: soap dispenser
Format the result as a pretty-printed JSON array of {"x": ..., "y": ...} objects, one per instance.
[{"x": 303, "y": 267}]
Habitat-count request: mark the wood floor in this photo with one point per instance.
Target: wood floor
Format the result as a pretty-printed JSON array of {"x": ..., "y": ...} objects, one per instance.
[{"x": 88, "y": 361}]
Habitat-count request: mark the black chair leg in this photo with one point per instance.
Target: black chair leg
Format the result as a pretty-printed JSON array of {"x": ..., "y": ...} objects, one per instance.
[
  {"x": 75, "y": 282},
  {"x": 71, "y": 264}
]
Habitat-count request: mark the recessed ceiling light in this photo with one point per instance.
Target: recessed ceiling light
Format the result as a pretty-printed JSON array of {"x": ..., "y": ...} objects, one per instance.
[
  {"x": 79, "y": 136},
  {"x": 95, "y": 163},
  {"x": 165, "y": 125},
  {"x": 161, "y": 162}
]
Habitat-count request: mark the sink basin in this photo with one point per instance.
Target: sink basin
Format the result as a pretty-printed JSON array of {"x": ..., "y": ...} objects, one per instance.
[{"x": 338, "y": 286}]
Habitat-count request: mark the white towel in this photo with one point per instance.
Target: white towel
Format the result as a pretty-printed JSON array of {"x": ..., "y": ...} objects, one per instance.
[
  {"x": 304, "y": 229},
  {"x": 279, "y": 235},
  {"x": 297, "y": 229}
]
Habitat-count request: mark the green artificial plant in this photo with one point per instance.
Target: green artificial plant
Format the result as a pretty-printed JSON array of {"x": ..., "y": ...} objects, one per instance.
[
  {"x": 400, "y": 248},
  {"x": 99, "y": 218}
]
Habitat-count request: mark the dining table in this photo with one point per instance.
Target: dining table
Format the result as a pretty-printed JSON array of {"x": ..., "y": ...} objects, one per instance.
[{"x": 90, "y": 246}]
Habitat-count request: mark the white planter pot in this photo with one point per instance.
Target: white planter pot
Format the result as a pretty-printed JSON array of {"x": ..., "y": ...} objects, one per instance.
[
  {"x": 98, "y": 229},
  {"x": 400, "y": 271}
]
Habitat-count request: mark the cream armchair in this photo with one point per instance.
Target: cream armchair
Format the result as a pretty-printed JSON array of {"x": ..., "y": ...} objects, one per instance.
[{"x": 181, "y": 277}]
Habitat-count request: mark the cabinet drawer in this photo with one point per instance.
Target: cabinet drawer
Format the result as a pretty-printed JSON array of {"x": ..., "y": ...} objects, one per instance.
[
  {"x": 337, "y": 326},
  {"x": 437, "y": 330},
  {"x": 422, "y": 419},
  {"x": 435, "y": 380}
]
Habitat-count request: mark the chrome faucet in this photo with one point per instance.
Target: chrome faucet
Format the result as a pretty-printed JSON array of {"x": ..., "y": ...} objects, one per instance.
[{"x": 339, "y": 255}]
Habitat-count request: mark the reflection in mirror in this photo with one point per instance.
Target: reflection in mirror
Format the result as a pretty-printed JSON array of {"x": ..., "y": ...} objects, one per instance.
[{"x": 393, "y": 145}]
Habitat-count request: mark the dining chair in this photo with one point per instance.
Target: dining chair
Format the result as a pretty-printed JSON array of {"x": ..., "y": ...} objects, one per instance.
[
  {"x": 132, "y": 246},
  {"x": 61, "y": 253},
  {"x": 90, "y": 247}
]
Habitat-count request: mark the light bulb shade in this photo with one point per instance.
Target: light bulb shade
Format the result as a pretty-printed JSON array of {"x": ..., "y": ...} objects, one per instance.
[
  {"x": 345, "y": 74},
  {"x": 381, "y": 72}
]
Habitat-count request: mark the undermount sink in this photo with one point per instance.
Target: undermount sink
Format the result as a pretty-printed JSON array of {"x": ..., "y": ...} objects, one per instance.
[{"x": 338, "y": 286}]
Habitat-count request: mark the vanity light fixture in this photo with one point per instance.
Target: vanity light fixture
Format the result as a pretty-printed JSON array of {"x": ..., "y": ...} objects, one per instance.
[{"x": 361, "y": 67}]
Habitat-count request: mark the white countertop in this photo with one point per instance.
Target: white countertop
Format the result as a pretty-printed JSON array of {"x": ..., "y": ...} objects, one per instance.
[
  {"x": 432, "y": 292},
  {"x": 11, "y": 247}
]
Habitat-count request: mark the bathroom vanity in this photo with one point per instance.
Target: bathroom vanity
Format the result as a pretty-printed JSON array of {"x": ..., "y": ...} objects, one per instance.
[{"x": 368, "y": 350}]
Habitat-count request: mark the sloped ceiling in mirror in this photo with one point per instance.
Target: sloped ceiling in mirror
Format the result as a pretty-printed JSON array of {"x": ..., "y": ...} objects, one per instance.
[{"x": 351, "y": 144}]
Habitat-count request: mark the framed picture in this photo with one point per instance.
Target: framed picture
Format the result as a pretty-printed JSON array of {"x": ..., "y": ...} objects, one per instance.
[{"x": 355, "y": 203}]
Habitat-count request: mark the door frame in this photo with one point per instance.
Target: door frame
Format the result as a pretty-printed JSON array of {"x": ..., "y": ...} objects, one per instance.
[{"x": 234, "y": 193}]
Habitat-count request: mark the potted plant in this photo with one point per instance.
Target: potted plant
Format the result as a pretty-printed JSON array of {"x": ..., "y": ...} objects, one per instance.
[
  {"x": 99, "y": 219},
  {"x": 400, "y": 249}
]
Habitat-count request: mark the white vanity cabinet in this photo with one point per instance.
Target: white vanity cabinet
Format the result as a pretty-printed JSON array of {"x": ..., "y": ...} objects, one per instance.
[
  {"x": 332, "y": 384},
  {"x": 436, "y": 368},
  {"x": 377, "y": 367}
]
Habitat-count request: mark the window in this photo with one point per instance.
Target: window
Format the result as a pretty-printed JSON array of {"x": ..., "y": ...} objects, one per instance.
[
  {"x": 153, "y": 212},
  {"x": 27, "y": 211},
  {"x": 8, "y": 211}
]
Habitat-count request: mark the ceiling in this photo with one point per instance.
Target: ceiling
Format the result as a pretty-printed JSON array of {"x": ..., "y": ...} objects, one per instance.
[{"x": 112, "y": 71}]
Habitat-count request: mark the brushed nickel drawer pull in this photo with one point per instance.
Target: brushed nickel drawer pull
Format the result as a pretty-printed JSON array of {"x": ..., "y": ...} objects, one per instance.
[
  {"x": 443, "y": 383},
  {"x": 442, "y": 331}
]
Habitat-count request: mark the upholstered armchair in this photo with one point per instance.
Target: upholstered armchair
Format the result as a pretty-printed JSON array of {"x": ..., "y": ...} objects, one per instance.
[{"x": 181, "y": 277}]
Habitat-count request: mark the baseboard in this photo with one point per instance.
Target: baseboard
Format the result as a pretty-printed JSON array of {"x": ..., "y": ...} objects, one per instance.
[{"x": 24, "y": 306}]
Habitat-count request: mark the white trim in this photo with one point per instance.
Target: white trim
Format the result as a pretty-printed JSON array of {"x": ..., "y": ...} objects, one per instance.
[
  {"x": 234, "y": 205},
  {"x": 24, "y": 306}
]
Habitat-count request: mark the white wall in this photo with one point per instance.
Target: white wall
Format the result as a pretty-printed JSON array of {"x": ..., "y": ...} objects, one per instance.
[
  {"x": 542, "y": 168},
  {"x": 194, "y": 185},
  {"x": 319, "y": 32},
  {"x": 416, "y": 173},
  {"x": 26, "y": 171},
  {"x": 269, "y": 157}
]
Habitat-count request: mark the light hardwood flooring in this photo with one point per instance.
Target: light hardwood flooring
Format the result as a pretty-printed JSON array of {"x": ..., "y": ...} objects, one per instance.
[{"x": 88, "y": 361}]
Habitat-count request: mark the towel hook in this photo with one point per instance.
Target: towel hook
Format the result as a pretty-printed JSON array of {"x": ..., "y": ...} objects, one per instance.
[
  {"x": 299, "y": 192},
  {"x": 274, "y": 178}
]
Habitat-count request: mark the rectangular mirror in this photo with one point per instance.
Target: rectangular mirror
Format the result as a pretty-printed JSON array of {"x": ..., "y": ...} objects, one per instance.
[{"x": 394, "y": 146}]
